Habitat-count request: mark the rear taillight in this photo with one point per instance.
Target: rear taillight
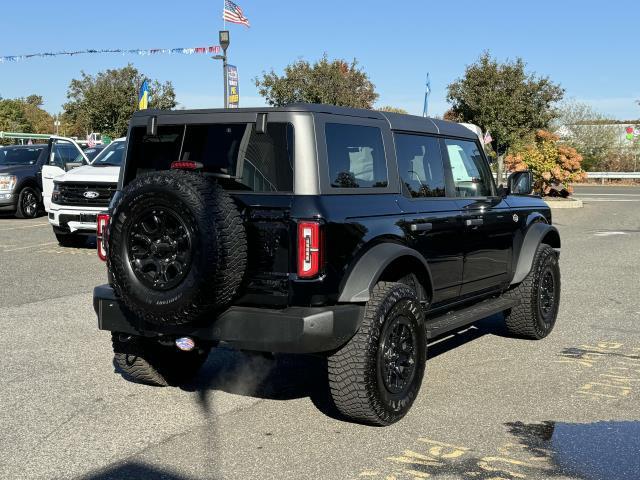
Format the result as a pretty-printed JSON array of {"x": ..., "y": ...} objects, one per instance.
[
  {"x": 102, "y": 232},
  {"x": 309, "y": 249},
  {"x": 186, "y": 165}
]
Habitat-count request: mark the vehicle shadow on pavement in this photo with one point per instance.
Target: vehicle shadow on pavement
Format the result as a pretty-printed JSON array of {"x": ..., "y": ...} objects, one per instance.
[
  {"x": 134, "y": 471},
  {"x": 266, "y": 376},
  {"x": 493, "y": 325},
  {"x": 289, "y": 377}
]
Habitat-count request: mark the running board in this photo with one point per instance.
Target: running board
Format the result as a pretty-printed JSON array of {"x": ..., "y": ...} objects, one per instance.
[{"x": 456, "y": 319}]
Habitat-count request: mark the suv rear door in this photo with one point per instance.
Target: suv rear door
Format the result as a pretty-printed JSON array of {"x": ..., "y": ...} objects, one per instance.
[
  {"x": 64, "y": 154},
  {"x": 433, "y": 224},
  {"x": 487, "y": 222}
]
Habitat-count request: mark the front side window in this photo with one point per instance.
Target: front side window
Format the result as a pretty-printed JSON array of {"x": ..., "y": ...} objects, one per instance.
[
  {"x": 471, "y": 175},
  {"x": 420, "y": 165},
  {"x": 64, "y": 152},
  {"x": 356, "y": 156}
]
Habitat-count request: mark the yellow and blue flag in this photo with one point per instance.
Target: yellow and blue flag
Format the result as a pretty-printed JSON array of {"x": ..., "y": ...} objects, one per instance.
[{"x": 143, "y": 97}]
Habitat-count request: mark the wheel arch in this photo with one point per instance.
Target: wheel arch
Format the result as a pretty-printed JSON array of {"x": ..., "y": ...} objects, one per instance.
[
  {"x": 385, "y": 261},
  {"x": 536, "y": 234},
  {"x": 28, "y": 182}
]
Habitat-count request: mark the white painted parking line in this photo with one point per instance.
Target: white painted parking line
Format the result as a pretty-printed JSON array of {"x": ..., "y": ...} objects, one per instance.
[
  {"x": 610, "y": 199},
  {"x": 608, "y": 234},
  {"x": 29, "y": 246},
  {"x": 26, "y": 226},
  {"x": 608, "y": 194}
]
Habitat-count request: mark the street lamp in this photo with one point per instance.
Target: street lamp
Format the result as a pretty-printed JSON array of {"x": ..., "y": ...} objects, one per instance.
[{"x": 224, "y": 43}]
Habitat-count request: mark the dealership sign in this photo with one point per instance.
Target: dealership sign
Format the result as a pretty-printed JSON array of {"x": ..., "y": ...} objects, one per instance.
[{"x": 233, "y": 90}]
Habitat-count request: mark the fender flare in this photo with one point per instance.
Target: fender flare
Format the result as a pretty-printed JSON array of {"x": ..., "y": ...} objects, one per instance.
[
  {"x": 535, "y": 235},
  {"x": 368, "y": 269}
]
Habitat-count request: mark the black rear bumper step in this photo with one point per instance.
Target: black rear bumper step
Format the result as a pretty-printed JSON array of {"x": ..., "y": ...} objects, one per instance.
[
  {"x": 457, "y": 319},
  {"x": 288, "y": 330}
]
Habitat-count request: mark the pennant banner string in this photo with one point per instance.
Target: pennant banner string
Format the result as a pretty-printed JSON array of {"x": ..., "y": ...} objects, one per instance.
[{"x": 143, "y": 52}]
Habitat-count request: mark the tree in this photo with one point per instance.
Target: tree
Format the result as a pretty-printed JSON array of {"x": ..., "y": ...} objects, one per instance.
[
  {"x": 389, "y": 108},
  {"x": 105, "y": 102},
  {"x": 588, "y": 131},
  {"x": 334, "y": 82},
  {"x": 503, "y": 99},
  {"x": 24, "y": 115},
  {"x": 12, "y": 118},
  {"x": 550, "y": 161},
  {"x": 39, "y": 119}
]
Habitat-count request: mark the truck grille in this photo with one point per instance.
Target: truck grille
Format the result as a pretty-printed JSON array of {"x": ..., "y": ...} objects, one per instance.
[{"x": 86, "y": 194}]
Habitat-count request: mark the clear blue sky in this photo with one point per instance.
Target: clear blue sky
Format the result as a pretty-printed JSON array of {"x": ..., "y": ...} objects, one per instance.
[{"x": 589, "y": 47}]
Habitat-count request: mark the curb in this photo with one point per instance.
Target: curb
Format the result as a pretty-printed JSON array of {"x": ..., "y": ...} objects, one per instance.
[{"x": 565, "y": 203}]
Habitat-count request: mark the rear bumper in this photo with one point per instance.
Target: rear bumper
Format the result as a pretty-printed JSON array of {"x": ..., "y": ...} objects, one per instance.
[{"x": 290, "y": 330}]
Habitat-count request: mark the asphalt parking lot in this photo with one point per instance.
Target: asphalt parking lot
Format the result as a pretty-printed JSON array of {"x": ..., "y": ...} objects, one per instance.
[{"x": 491, "y": 407}]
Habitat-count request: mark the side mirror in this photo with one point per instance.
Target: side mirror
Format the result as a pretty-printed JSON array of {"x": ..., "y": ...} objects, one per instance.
[
  {"x": 71, "y": 165},
  {"x": 520, "y": 183}
]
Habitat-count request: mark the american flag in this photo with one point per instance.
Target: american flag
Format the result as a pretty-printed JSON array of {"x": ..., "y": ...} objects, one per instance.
[{"x": 233, "y": 13}]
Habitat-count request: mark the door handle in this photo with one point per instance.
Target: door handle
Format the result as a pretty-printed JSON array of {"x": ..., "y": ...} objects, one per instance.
[
  {"x": 421, "y": 227},
  {"x": 473, "y": 222}
]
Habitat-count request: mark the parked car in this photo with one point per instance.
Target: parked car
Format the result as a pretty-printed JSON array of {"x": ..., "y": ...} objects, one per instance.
[
  {"x": 21, "y": 169},
  {"x": 80, "y": 194},
  {"x": 352, "y": 234}
]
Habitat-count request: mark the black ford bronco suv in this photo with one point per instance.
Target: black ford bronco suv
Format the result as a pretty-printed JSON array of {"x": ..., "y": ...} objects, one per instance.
[{"x": 353, "y": 234}]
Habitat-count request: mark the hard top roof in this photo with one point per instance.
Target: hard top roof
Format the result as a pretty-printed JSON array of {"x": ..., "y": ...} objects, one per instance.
[
  {"x": 397, "y": 121},
  {"x": 33, "y": 145}
]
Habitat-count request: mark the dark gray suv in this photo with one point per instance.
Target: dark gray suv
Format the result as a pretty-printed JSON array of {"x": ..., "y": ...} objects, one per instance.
[{"x": 20, "y": 179}]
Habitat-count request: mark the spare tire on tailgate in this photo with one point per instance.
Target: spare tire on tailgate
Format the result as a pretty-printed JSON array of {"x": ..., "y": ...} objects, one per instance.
[{"x": 177, "y": 247}]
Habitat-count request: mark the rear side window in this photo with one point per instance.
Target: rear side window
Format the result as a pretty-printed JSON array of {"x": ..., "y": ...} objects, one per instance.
[
  {"x": 19, "y": 156},
  {"x": 471, "y": 174},
  {"x": 246, "y": 160},
  {"x": 356, "y": 156},
  {"x": 420, "y": 165}
]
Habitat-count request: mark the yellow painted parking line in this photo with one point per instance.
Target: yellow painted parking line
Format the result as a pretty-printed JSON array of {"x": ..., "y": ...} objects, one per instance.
[
  {"x": 25, "y": 226},
  {"x": 29, "y": 246}
]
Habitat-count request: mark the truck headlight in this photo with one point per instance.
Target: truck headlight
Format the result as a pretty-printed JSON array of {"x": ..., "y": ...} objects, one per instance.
[
  {"x": 55, "y": 194},
  {"x": 7, "y": 182}
]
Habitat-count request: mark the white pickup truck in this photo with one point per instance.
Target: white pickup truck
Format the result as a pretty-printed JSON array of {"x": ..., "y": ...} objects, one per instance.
[{"x": 80, "y": 194}]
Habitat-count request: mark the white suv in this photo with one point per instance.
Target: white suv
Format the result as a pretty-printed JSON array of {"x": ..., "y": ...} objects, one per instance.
[{"x": 80, "y": 194}]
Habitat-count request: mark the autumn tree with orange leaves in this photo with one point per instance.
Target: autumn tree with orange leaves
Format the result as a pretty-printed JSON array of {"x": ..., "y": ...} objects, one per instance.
[{"x": 550, "y": 161}]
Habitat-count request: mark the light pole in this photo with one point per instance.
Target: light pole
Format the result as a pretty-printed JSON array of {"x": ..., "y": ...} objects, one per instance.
[{"x": 224, "y": 43}]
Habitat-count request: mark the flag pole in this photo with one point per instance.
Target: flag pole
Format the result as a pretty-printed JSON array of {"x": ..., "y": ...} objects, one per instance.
[{"x": 224, "y": 20}]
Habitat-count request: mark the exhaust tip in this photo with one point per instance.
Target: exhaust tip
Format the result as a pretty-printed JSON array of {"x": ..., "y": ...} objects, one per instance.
[{"x": 186, "y": 344}]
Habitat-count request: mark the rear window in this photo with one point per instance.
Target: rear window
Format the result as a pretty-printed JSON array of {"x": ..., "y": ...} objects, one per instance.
[
  {"x": 356, "y": 156},
  {"x": 19, "y": 156},
  {"x": 247, "y": 160}
]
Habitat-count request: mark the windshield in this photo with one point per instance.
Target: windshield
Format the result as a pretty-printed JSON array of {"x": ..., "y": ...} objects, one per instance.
[
  {"x": 92, "y": 152},
  {"x": 110, "y": 156},
  {"x": 19, "y": 156}
]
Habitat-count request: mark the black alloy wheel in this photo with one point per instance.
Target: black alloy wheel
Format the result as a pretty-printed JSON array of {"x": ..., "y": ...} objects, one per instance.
[
  {"x": 28, "y": 203},
  {"x": 159, "y": 248},
  {"x": 397, "y": 355},
  {"x": 547, "y": 294}
]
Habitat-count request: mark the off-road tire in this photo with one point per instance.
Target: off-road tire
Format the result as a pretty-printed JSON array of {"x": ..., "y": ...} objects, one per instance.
[
  {"x": 218, "y": 247},
  {"x": 356, "y": 386},
  {"x": 71, "y": 240},
  {"x": 21, "y": 211},
  {"x": 146, "y": 361},
  {"x": 529, "y": 319}
]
